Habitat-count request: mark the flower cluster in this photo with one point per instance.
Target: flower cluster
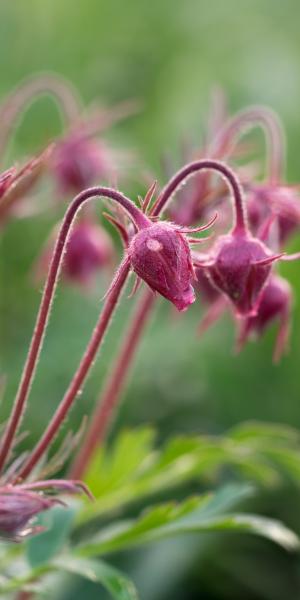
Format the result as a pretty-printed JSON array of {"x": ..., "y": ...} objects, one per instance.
[{"x": 236, "y": 271}]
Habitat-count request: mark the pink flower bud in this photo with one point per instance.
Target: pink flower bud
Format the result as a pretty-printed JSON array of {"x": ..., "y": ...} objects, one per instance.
[
  {"x": 17, "y": 510},
  {"x": 160, "y": 255},
  {"x": 239, "y": 265},
  {"x": 89, "y": 250},
  {"x": 78, "y": 162},
  {"x": 275, "y": 304},
  {"x": 282, "y": 201},
  {"x": 20, "y": 504}
]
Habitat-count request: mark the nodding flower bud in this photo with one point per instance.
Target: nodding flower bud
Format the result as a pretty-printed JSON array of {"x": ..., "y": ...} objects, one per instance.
[
  {"x": 282, "y": 201},
  {"x": 20, "y": 504},
  {"x": 239, "y": 266},
  {"x": 17, "y": 510},
  {"x": 77, "y": 161},
  {"x": 89, "y": 250},
  {"x": 161, "y": 256},
  {"x": 275, "y": 304}
]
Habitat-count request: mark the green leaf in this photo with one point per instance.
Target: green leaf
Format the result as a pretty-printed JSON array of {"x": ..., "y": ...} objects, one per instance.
[
  {"x": 253, "y": 431},
  {"x": 119, "y": 586},
  {"x": 43, "y": 546},
  {"x": 201, "y": 514},
  {"x": 133, "y": 468},
  {"x": 111, "y": 469}
]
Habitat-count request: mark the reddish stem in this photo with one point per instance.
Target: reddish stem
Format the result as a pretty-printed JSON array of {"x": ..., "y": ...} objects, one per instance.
[
  {"x": 17, "y": 101},
  {"x": 231, "y": 179},
  {"x": 140, "y": 220},
  {"x": 81, "y": 373},
  {"x": 251, "y": 117},
  {"x": 109, "y": 398}
]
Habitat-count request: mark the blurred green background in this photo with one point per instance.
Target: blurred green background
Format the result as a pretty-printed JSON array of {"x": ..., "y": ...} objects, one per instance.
[{"x": 170, "y": 55}]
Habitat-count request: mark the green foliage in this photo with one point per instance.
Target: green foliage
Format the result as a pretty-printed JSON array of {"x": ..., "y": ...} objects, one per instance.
[
  {"x": 133, "y": 468},
  {"x": 44, "y": 546},
  {"x": 202, "y": 514},
  {"x": 98, "y": 571}
]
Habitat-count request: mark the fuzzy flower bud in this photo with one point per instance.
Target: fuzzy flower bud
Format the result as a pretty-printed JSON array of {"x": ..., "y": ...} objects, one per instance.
[
  {"x": 20, "y": 504},
  {"x": 17, "y": 511},
  {"x": 77, "y": 161},
  {"x": 88, "y": 251},
  {"x": 282, "y": 201},
  {"x": 160, "y": 255},
  {"x": 275, "y": 304},
  {"x": 239, "y": 266}
]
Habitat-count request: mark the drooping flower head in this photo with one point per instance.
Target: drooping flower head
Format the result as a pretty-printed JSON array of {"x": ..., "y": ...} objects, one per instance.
[
  {"x": 17, "y": 511},
  {"x": 239, "y": 266},
  {"x": 161, "y": 256},
  {"x": 21, "y": 504},
  {"x": 78, "y": 161},
  {"x": 280, "y": 200},
  {"x": 88, "y": 252},
  {"x": 275, "y": 305}
]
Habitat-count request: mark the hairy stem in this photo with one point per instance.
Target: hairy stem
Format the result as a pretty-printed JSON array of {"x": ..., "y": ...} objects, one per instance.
[
  {"x": 109, "y": 399},
  {"x": 114, "y": 386},
  {"x": 81, "y": 372},
  {"x": 16, "y": 103},
  {"x": 255, "y": 116},
  {"x": 208, "y": 165},
  {"x": 43, "y": 314}
]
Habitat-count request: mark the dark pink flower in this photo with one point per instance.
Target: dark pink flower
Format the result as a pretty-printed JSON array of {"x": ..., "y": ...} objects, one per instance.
[
  {"x": 275, "y": 304},
  {"x": 161, "y": 256},
  {"x": 282, "y": 201},
  {"x": 239, "y": 266},
  {"x": 78, "y": 161},
  {"x": 17, "y": 511},
  {"x": 20, "y": 504},
  {"x": 89, "y": 250}
]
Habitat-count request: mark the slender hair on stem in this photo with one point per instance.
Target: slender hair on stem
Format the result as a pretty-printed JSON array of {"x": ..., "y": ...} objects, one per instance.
[
  {"x": 109, "y": 399},
  {"x": 139, "y": 220}
]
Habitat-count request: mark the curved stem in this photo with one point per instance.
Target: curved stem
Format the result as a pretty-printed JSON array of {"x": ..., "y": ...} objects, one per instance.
[
  {"x": 81, "y": 373},
  {"x": 140, "y": 221},
  {"x": 255, "y": 116},
  {"x": 231, "y": 179},
  {"x": 28, "y": 91},
  {"x": 109, "y": 397}
]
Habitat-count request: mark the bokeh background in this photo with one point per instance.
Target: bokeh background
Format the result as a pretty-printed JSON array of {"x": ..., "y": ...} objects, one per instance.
[{"x": 169, "y": 54}]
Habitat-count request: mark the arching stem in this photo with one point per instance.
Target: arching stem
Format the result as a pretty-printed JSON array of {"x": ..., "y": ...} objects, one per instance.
[
  {"x": 16, "y": 103},
  {"x": 139, "y": 220},
  {"x": 255, "y": 116},
  {"x": 109, "y": 399},
  {"x": 81, "y": 373},
  {"x": 212, "y": 165}
]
